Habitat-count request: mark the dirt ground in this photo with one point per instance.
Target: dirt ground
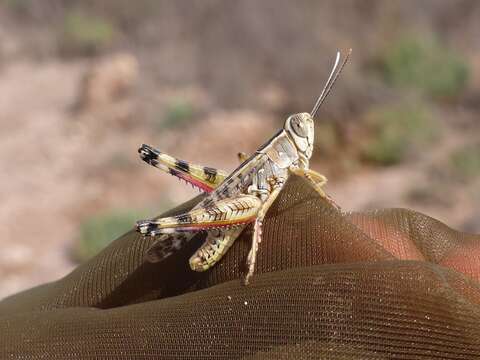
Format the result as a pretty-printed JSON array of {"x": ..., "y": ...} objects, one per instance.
[{"x": 57, "y": 170}]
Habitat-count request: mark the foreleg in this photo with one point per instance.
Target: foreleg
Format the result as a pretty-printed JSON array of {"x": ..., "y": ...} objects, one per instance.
[{"x": 317, "y": 181}]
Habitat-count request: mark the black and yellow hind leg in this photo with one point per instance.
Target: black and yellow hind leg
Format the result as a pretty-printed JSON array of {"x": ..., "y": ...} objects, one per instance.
[
  {"x": 215, "y": 246},
  {"x": 224, "y": 213},
  {"x": 203, "y": 177},
  {"x": 223, "y": 220}
]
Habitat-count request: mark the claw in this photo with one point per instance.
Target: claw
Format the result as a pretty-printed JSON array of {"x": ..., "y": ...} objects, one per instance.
[
  {"x": 146, "y": 227},
  {"x": 148, "y": 154}
]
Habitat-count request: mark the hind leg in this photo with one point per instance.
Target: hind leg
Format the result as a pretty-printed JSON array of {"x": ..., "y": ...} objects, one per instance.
[
  {"x": 215, "y": 246},
  {"x": 202, "y": 177}
]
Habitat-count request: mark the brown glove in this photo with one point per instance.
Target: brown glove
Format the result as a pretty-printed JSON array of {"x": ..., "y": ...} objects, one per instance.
[{"x": 381, "y": 285}]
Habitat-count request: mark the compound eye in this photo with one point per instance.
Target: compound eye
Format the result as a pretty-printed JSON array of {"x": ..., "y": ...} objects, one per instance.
[{"x": 299, "y": 127}]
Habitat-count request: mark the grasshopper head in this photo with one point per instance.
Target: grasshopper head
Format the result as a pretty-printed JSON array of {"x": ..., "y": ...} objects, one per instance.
[
  {"x": 300, "y": 126},
  {"x": 300, "y": 129}
]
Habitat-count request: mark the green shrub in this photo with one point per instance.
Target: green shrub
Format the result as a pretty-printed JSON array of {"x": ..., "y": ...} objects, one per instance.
[
  {"x": 177, "y": 114},
  {"x": 121, "y": 161},
  {"x": 19, "y": 6},
  {"x": 394, "y": 131},
  {"x": 97, "y": 232},
  {"x": 326, "y": 138},
  {"x": 426, "y": 65},
  {"x": 465, "y": 162},
  {"x": 85, "y": 34}
]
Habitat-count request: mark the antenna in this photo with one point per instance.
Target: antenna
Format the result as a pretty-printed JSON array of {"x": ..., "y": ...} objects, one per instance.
[{"x": 330, "y": 82}]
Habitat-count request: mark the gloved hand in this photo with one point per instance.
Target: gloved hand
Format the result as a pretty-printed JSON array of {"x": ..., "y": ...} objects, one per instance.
[{"x": 331, "y": 285}]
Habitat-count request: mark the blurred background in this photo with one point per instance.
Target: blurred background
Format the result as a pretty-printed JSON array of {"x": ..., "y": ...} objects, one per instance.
[{"x": 84, "y": 83}]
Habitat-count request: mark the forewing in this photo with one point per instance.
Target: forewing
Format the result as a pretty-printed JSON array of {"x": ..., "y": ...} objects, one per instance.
[{"x": 166, "y": 245}]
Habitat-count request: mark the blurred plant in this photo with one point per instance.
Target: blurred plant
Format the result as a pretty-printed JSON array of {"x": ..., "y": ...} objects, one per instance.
[
  {"x": 84, "y": 34},
  {"x": 121, "y": 161},
  {"x": 97, "y": 232},
  {"x": 465, "y": 162},
  {"x": 326, "y": 138},
  {"x": 427, "y": 65},
  {"x": 394, "y": 131},
  {"x": 177, "y": 114},
  {"x": 19, "y": 6},
  {"x": 433, "y": 194}
]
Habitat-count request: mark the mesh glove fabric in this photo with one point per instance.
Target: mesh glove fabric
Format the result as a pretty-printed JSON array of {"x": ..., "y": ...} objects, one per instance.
[{"x": 378, "y": 285}]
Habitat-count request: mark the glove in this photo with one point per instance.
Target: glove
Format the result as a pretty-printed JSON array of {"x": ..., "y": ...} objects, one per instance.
[{"x": 328, "y": 285}]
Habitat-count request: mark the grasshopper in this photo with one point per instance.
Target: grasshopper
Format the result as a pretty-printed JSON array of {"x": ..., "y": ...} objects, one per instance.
[{"x": 240, "y": 198}]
